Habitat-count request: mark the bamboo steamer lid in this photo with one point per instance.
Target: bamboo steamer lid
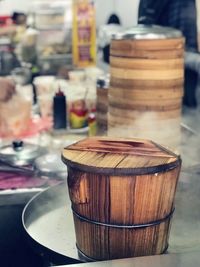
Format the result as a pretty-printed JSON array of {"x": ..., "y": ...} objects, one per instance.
[{"x": 119, "y": 156}]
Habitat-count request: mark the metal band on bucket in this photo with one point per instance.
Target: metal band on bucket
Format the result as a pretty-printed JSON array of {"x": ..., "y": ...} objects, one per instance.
[{"x": 133, "y": 226}]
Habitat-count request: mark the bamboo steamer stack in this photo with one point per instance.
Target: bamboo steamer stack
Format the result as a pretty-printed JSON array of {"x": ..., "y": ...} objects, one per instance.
[
  {"x": 146, "y": 90},
  {"x": 102, "y": 103},
  {"x": 122, "y": 193}
]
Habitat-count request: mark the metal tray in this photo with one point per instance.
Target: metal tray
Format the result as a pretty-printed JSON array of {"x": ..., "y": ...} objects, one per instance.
[{"x": 47, "y": 219}]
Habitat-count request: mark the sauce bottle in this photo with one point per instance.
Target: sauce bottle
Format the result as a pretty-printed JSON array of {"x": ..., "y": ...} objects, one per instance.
[{"x": 59, "y": 111}]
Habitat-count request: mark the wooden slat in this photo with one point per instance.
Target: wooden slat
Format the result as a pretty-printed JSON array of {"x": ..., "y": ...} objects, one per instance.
[
  {"x": 136, "y": 152},
  {"x": 146, "y": 64},
  {"x": 109, "y": 152},
  {"x": 150, "y": 45},
  {"x": 162, "y": 54},
  {"x": 147, "y": 84},
  {"x": 107, "y": 143},
  {"x": 146, "y": 74},
  {"x": 151, "y": 103},
  {"x": 123, "y": 201},
  {"x": 157, "y": 107},
  {"x": 106, "y": 246},
  {"x": 146, "y": 94}
]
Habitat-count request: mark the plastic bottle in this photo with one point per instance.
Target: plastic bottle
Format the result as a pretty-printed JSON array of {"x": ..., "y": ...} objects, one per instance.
[{"x": 59, "y": 111}]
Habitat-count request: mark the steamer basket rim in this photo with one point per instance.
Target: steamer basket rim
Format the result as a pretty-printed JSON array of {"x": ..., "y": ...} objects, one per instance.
[{"x": 148, "y": 32}]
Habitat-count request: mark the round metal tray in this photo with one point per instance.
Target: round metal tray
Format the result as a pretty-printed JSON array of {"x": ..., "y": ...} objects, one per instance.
[{"x": 48, "y": 221}]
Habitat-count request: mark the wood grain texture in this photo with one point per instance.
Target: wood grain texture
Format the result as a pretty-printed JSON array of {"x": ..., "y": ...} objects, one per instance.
[
  {"x": 163, "y": 54},
  {"x": 151, "y": 102},
  {"x": 102, "y": 108},
  {"x": 148, "y": 106},
  {"x": 147, "y": 44},
  {"x": 146, "y": 94},
  {"x": 104, "y": 243},
  {"x": 147, "y": 84},
  {"x": 123, "y": 200},
  {"x": 104, "y": 153},
  {"x": 148, "y": 49},
  {"x": 147, "y": 79},
  {"x": 166, "y": 74},
  {"x": 146, "y": 64}
]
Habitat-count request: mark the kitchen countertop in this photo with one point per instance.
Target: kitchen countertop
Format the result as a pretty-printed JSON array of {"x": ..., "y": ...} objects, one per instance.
[
  {"x": 170, "y": 260},
  {"x": 55, "y": 141},
  {"x": 53, "y": 206},
  {"x": 17, "y": 196}
]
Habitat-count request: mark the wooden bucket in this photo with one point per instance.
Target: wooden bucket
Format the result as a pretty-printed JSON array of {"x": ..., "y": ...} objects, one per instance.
[
  {"x": 147, "y": 71},
  {"x": 122, "y": 193}
]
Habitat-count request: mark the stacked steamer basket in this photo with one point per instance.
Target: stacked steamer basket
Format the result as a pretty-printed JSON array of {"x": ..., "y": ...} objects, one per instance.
[
  {"x": 102, "y": 103},
  {"x": 122, "y": 193},
  {"x": 145, "y": 95}
]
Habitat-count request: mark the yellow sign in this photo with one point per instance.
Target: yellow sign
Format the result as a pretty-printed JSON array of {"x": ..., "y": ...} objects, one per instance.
[{"x": 84, "y": 33}]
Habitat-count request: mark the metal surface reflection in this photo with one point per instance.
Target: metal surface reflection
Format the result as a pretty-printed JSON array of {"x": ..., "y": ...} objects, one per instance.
[
  {"x": 48, "y": 221},
  {"x": 172, "y": 260},
  {"x": 185, "y": 231}
]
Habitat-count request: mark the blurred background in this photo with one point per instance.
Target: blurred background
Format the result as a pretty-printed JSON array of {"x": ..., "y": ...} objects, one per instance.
[{"x": 55, "y": 75}]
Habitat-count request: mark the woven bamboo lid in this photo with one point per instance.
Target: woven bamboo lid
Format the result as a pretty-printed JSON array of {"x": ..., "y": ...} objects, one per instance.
[{"x": 117, "y": 156}]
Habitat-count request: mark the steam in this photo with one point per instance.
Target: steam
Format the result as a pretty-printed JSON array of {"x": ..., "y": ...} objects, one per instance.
[
  {"x": 190, "y": 145},
  {"x": 182, "y": 135},
  {"x": 49, "y": 221},
  {"x": 150, "y": 126}
]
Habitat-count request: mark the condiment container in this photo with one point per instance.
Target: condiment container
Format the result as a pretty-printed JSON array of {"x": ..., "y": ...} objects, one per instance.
[
  {"x": 78, "y": 114},
  {"x": 21, "y": 153},
  {"x": 59, "y": 111}
]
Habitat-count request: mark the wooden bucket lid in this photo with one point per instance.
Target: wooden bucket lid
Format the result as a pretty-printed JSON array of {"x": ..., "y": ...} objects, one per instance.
[{"x": 119, "y": 156}]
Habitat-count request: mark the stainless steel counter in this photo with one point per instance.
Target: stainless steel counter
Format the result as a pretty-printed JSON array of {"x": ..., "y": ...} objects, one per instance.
[
  {"x": 48, "y": 219},
  {"x": 170, "y": 260},
  {"x": 17, "y": 196}
]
